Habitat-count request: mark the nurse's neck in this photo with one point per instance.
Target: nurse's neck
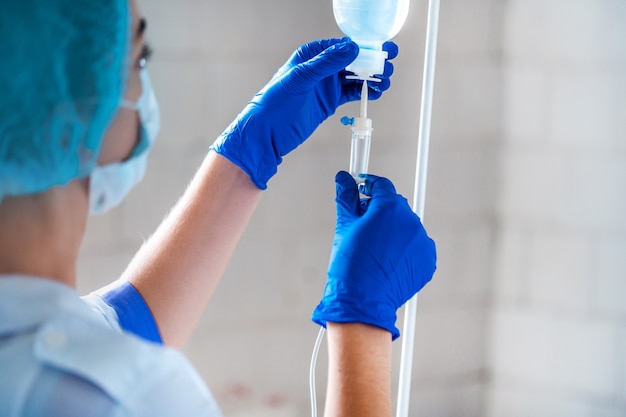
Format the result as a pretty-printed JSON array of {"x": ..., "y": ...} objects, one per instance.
[{"x": 40, "y": 235}]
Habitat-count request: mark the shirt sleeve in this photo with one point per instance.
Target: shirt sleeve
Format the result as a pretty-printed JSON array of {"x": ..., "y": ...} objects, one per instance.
[{"x": 133, "y": 313}]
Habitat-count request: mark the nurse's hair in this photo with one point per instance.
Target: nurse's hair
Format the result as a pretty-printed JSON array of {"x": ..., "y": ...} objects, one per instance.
[{"x": 63, "y": 68}]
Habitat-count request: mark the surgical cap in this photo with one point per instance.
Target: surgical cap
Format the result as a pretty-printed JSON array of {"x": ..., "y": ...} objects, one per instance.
[{"x": 63, "y": 69}]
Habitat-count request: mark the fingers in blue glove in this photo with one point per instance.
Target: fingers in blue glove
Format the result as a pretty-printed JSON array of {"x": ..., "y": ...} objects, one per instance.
[
  {"x": 377, "y": 186},
  {"x": 375, "y": 88},
  {"x": 347, "y": 199},
  {"x": 391, "y": 48},
  {"x": 312, "y": 49},
  {"x": 327, "y": 62}
]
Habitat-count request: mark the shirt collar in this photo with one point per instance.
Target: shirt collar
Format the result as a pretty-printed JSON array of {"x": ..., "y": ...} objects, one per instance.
[{"x": 27, "y": 302}]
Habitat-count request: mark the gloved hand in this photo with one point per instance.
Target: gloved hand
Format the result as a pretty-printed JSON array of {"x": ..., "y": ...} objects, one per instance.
[
  {"x": 381, "y": 256},
  {"x": 301, "y": 95}
]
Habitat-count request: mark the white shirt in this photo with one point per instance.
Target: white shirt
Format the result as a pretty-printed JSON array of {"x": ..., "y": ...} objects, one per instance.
[{"x": 61, "y": 357}]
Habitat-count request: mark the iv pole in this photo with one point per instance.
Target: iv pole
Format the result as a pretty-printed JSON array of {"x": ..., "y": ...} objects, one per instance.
[{"x": 419, "y": 199}]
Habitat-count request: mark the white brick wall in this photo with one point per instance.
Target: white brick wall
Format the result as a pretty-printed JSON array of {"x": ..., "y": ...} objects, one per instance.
[
  {"x": 550, "y": 351},
  {"x": 559, "y": 271},
  {"x": 579, "y": 32},
  {"x": 609, "y": 278},
  {"x": 556, "y": 336}
]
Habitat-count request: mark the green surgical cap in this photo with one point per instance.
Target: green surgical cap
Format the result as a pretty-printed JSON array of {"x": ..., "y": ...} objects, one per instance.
[{"x": 62, "y": 73}]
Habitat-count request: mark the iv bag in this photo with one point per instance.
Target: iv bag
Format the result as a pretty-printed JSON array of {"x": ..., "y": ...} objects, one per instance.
[{"x": 370, "y": 23}]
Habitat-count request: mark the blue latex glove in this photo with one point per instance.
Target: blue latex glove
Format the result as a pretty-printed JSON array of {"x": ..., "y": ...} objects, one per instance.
[
  {"x": 381, "y": 256},
  {"x": 301, "y": 95}
]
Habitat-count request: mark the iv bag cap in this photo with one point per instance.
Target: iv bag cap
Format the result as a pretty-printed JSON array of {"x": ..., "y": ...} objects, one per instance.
[{"x": 368, "y": 63}]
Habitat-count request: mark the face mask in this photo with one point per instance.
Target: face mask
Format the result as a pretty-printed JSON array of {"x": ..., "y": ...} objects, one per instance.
[{"x": 109, "y": 184}]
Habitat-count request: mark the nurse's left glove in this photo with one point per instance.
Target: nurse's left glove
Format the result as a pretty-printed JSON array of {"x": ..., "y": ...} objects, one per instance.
[
  {"x": 301, "y": 95},
  {"x": 381, "y": 256}
]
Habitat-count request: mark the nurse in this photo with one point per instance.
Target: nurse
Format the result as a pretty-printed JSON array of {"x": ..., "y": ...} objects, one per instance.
[{"x": 77, "y": 119}]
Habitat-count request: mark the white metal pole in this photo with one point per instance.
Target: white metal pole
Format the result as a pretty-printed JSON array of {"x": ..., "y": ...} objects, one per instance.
[{"x": 419, "y": 200}]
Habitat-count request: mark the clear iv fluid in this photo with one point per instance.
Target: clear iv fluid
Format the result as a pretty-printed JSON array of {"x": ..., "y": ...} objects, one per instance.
[
  {"x": 370, "y": 23},
  {"x": 360, "y": 152}
]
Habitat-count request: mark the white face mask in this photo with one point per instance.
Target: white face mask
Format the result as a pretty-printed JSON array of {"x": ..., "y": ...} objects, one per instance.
[{"x": 109, "y": 184}]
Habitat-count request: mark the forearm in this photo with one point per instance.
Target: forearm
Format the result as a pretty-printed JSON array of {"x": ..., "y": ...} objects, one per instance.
[
  {"x": 179, "y": 267},
  {"x": 359, "y": 371}
]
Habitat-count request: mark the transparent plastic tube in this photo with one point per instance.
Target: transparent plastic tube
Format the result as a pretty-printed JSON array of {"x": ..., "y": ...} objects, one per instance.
[
  {"x": 360, "y": 149},
  {"x": 361, "y": 140}
]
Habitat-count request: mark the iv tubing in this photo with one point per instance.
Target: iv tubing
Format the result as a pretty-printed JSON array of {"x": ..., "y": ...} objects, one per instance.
[
  {"x": 316, "y": 349},
  {"x": 364, "y": 100},
  {"x": 419, "y": 199}
]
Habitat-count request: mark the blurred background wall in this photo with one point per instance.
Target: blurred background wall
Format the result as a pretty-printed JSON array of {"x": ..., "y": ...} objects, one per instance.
[
  {"x": 526, "y": 315},
  {"x": 557, "y": 338}
]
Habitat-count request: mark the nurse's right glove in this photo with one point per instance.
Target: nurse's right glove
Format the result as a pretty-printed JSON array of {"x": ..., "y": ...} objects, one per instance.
[
  {"x": 300, "y": 96},
  {"x": 381, "y": 256}
]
